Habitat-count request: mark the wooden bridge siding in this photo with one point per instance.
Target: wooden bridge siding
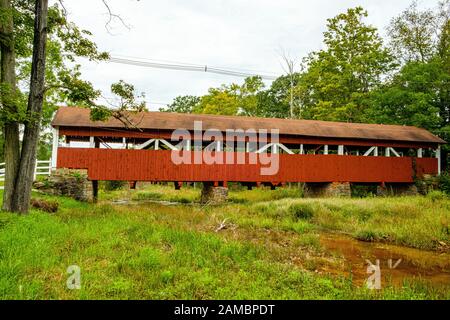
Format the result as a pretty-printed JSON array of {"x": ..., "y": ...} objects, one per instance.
[
  {"x": 426, "y": 166},
  {"x": 150, "y": 165}
]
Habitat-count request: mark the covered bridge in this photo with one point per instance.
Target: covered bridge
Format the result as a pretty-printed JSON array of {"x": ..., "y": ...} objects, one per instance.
[{"x": 142, "y": 146}]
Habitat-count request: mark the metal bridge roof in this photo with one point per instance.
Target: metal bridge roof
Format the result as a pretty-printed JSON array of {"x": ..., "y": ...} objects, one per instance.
[{"x": 79, "y": 117}]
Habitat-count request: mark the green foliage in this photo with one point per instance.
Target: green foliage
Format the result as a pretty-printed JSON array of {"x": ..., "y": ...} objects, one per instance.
[
  {"x": 414, "y": 34},
  {"x": 223, "y": 100},
  {"x": 361, "y": 191},
  {"x": 65, "y": 42},
  {"x": 418, "y": 94},
  {"x": 274, "y": 102},
  {"x": 444, "y": 182},
  {"x": 63, "y": 82},
  {"x": 356, "y": 78},
  {"x": 366, "y": 235},
  {"x": 301, "y": 211},
  {"x": 339, "y": 78},
  {"x": 182, "y": 104},
  {"x": 231, "y": 99},
  {"x": 411, "y": 221},
  {"x": 129, "y": 101},
  {"x": 436, "y": 195},
  {"x": 114, "y": 185},
  {"x": 412, "y": 97}
]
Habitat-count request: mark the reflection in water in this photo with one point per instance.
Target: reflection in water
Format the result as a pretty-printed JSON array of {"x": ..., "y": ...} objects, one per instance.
[{"x": 396, "y": 263}]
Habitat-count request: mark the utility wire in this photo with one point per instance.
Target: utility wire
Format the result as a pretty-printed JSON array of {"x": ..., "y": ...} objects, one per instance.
[{"x": 188, "y": 67}]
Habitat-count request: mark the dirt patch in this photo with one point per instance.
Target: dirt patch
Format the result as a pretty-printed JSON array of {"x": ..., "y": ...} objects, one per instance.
[{"x": 44, "y": 205}]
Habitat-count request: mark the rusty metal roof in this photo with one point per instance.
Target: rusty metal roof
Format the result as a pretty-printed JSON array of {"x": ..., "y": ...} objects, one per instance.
[{"x": 79, "y": 117}]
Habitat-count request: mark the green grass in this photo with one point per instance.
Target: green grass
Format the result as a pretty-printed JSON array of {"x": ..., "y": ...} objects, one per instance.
[
  {"x": 419, "y": 222},
  {"x": 168, "y": 193},
  {"x": 270, "y": 249}
]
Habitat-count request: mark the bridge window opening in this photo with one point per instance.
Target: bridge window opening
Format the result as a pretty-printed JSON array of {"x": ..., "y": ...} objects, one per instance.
[
  {"x": 429, "y": 153},
  {"x": 370, "y": 151},
  {"x": 409, "y": 152},
  {"x": 294, "y": 148},
  {"x": 352, "y": 151},
  {"x": 333, "y": 149},
  {"x": 252, "y": 146},
  {"x": 240, "y": 146},
  {"x": 310, "y": 149},
  {"x": 322, "y": 149}
]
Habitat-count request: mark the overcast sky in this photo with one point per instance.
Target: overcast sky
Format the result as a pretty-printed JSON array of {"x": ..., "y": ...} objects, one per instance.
[{"x": 235, "y": 34}]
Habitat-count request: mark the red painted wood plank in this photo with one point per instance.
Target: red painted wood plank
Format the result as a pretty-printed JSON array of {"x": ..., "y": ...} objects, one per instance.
[{"x": 150, "y": 165}]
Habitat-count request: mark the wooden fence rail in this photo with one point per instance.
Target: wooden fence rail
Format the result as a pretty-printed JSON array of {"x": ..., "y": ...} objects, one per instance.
[{"x": 43, "y": 167}]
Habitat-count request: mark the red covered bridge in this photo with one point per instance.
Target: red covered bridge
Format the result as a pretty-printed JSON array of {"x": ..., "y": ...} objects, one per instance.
[{"x": 142, "y": 147}]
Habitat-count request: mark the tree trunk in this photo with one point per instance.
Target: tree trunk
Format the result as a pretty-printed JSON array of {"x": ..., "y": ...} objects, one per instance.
[
  {"x": 24, "y": 180},
  {"x": 9, "y": 108}
]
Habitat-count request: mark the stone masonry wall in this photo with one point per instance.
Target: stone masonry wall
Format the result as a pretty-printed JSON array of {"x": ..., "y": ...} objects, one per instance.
[
  {"x": 213, "y": 195},
  {"x": 67, "y": 182},
  {"x": 333, "y": 189}
]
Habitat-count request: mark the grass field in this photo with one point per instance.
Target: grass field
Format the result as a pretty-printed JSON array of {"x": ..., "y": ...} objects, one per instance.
[{"x": 268, "y": 246}]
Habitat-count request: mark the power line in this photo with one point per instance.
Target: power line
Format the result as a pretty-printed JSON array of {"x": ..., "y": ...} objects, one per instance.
[
  {"x": 252, "y": 71},
  {"x": 189, "y": 67}
]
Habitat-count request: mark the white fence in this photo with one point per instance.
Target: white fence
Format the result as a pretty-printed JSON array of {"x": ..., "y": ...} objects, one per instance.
[{"x": 43, "y": 168}]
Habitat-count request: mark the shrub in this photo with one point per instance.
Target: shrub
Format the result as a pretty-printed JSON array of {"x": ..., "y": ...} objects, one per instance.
[
  {"x": 366, "y": 235},
  {"x": 285, "y": 192},
  {"x": 301, "y": 211},
  {"x": 444, "y": 182},
  {"x": 362, "y": 191},
  {"x": 114, "y": 185},
  {"x": 436, "y": 195}
]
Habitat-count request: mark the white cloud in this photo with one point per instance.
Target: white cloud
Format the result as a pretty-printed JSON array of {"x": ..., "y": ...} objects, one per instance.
[{"x": 233, "y": 33}]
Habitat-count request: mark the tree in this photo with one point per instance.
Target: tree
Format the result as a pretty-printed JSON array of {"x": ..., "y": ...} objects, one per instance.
[
  {"x": 223, "y": 100},
  {"x": 338, "y": 79},
  {"x": 56, "y": 42},
  {"x": 24, "y": 180},
  {"x": 9, "y": 100},
  {"x": 129, "y": 102},
  {"x": 419, "y": 93},
  {"x": 63, "y": 42},
  {"x": 182, "y": 104},
  {"x": 248, "y": 96},
  {"x": 275, "y": 102},
  {"x": 230, "y": 99},
  {"x": 415, "y": 35},
  {"x": 411, "y": 97},
  {"x": 289, "y": 68}
]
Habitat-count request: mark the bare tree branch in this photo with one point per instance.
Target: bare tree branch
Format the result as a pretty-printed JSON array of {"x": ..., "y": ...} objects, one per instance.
[
  {"x": 288, "y": 66},
  {"x": 63, "y": 7},
  {"x": 113, "y": 16}
]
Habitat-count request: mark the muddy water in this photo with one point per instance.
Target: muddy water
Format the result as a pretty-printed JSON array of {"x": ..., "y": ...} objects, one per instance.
[{"x": 396, "y": 263}]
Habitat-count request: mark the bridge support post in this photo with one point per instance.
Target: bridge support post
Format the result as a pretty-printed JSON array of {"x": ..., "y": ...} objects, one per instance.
[
  {"x": 328, "y": 189},
  {"x": 94, "y": 190},
  {"x": 212, "y": 194}
]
